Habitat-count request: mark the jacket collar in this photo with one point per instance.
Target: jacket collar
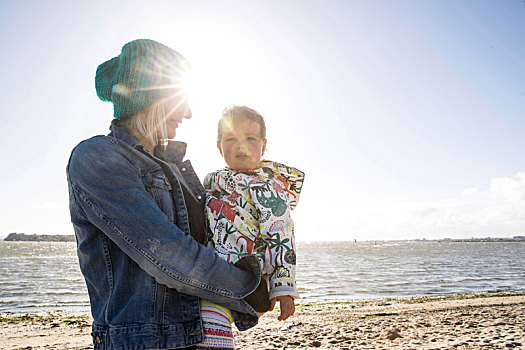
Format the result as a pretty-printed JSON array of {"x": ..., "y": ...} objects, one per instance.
[
  {"x": 173, "y": 152},
  {"x": 119, "y": 133}
]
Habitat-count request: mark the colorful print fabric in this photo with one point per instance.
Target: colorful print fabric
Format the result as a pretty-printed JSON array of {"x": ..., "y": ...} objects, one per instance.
[
  {"x": 217, "y": 325},
  {"x": 249, "y": 213}
]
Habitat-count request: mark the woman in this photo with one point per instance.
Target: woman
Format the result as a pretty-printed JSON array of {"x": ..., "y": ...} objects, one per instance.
[{"x": 135, "y": 205}]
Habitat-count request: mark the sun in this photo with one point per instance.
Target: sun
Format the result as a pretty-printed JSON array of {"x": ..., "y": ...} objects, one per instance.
[
  {"x": 224, "y": 80},
  {"x": 214, "y": 82},
  {"x": 226, "y": 69}
]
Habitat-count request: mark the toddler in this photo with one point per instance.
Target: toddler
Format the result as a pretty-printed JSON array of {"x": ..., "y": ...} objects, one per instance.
[{"x": 248, "y": 211}]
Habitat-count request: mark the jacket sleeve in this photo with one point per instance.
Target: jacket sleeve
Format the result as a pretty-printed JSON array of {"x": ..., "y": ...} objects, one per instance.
[
  {"x": 276, "y": 229},
  {"x": 109, "y": 191}
]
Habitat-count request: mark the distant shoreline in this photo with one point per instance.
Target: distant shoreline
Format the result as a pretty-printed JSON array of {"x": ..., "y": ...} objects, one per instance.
[
  {"x": 424, "y": 240},
  {"x": 22, "y": 237},
  {"x": 459, "y": 240}
]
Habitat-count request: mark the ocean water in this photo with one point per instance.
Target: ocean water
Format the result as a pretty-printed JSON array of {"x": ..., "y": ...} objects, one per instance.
[
  {"x": 45, "y": 277},
  {"x": 359, "y": 271}
]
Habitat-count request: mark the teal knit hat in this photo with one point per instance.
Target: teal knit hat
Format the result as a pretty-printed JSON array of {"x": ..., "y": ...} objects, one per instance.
[{"x": 145, "y": 72}]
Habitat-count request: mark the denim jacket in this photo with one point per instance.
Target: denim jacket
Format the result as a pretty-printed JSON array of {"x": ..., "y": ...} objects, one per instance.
[{"x": 144, "y": 271}]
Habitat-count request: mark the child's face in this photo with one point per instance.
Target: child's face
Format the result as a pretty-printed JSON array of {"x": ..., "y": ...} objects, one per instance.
[{"x": 241, "y": 145}]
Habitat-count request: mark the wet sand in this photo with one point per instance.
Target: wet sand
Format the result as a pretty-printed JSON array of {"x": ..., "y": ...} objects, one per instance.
[{"x": 452, "y": 322}]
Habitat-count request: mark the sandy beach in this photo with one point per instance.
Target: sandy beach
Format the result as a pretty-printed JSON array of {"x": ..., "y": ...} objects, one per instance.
[{"x": 452, "y": 322}]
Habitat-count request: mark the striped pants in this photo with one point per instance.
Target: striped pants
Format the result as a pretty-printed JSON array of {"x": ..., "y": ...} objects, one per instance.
[{"x": 217, "y": 324}]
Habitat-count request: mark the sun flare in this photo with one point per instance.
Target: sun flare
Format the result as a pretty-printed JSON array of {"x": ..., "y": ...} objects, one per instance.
[{"x": 212, "y": 85}]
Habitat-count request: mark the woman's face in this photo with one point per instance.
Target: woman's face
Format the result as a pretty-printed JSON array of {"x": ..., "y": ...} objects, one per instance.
[
  {"x": 175, "y": 112},
  {"x": 241, "y": 145}
]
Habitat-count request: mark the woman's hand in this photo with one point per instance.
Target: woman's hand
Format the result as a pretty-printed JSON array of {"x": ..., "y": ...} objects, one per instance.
[{"x": 287, "y": 305}]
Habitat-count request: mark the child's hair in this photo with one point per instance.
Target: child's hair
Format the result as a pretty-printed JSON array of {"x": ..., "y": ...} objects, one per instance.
[{"x": 235, "y": 113}]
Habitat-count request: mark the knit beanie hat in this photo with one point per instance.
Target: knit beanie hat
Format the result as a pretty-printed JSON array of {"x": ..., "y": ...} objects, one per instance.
[{"x": 145, "y": 72}]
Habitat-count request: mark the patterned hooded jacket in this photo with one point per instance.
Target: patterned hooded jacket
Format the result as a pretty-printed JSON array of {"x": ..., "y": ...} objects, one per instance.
[{"x": 249, "y": 213}]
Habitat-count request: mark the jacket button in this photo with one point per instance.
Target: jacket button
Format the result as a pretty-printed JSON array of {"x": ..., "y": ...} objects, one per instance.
[
  {"x": 183, "y": 169},
  {"x": 181, "y": 213},
  {"x": 199, "y": 197},
  {"x": 166, "y": 181},
  {"x": 98, "y": 340}
]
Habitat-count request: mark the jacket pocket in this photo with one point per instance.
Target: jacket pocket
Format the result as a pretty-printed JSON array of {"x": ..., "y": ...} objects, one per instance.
[{"x": 159, "y": 188}]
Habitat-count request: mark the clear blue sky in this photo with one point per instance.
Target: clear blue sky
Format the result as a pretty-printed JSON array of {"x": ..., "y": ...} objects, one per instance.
[{"x": 408, "y": 117}]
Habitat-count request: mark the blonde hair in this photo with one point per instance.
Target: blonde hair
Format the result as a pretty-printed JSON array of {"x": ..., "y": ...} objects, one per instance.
[{"x": 147, "y": 125}]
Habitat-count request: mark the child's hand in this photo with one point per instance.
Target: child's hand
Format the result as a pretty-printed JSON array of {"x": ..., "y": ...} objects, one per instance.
[{"x": 287, "y": 305}]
